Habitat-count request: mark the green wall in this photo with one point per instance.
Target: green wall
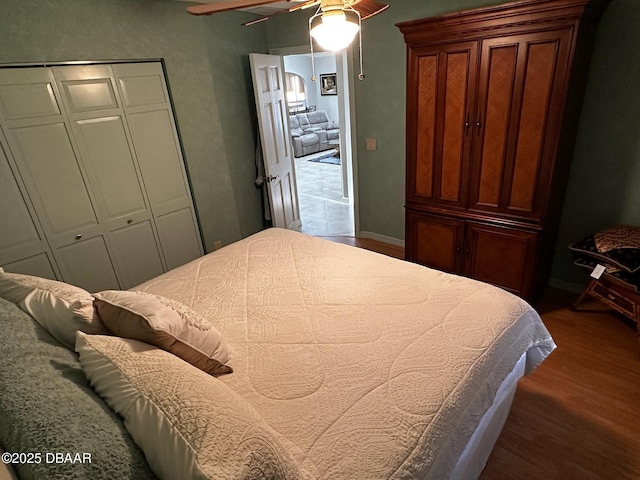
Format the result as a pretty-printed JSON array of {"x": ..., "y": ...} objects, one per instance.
[{"x": 208, "y": 72}]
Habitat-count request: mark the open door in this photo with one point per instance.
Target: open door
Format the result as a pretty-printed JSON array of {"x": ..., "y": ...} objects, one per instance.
[{"x": 268, "y": 86}]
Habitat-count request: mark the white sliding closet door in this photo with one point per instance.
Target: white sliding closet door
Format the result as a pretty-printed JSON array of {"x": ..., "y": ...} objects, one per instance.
[
  {"x": 146, "y": 103},
  {"x": 22, "y": 246},
  {"x": 41, "y": 145},
  {"x": 98, "y": 123}
]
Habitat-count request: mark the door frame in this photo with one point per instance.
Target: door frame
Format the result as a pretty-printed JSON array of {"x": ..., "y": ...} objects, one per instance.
[{"x": 347, "y": 118}]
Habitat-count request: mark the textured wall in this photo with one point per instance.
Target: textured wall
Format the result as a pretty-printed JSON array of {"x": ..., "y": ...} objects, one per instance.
[{"x": 207, "y": 67}]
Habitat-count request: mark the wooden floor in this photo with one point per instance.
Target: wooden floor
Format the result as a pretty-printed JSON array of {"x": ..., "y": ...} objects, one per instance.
[{"x": 578, "y": 415}]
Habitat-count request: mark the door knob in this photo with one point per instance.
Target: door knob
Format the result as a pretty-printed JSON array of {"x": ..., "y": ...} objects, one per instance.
[
  {"x": 271, "y": 178},
  {"x": 78, "y": 236}
]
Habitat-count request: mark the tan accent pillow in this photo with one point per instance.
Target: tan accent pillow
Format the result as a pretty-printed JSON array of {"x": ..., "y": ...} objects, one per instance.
[
  {"x": 167, "y": 324},
  {"x": 187, "y": 423},
  {"x": 61, "y": 309}
]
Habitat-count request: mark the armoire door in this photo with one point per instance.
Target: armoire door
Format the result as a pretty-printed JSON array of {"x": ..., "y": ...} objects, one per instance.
[
  {"x": 441, "y": 96},
  {"x": 502, "y": 256},
  {"x": 520, "y": 102},
  {"x": 435, "y": 241}
]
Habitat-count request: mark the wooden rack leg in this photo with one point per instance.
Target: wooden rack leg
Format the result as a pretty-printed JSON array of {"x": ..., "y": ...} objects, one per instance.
[{"x": 584, "y": 294}]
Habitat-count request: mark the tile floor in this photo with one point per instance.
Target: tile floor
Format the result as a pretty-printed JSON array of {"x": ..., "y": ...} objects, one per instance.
[{"x": 323, "y": 210}]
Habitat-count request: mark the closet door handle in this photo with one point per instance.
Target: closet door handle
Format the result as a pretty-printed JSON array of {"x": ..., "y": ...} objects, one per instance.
[{"x": 479, "y": 124}]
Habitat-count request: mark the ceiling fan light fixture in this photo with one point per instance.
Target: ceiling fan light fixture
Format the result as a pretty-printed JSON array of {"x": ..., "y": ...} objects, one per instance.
[{"x": 335, "y": 29}]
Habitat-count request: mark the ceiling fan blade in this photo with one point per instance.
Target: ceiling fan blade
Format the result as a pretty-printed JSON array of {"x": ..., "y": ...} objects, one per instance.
[
  {"x": 210, "y": 8},
  {"x": 302, "y": 6},
  {"x": 295, "y": 8},
  {"x": 369, "y": 8}
]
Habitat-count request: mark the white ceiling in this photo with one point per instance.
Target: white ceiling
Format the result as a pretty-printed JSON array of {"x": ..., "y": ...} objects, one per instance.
[{"x": 260, "y": 10}]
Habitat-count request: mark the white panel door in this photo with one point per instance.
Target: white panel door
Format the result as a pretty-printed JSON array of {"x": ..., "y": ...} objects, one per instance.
[
  {"x": 155, "y": 139},
  {"x": 23, "y": 248},
  {"x": 41, "y": 145},
  {"x": 268, "y": 86},
  {"x": 101, "y": 131}
]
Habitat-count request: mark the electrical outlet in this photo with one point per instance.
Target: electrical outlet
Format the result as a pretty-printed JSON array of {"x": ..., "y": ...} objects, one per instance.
[
  {"x": 372, "y": 144},
  {"x": 217, "y": 245}
]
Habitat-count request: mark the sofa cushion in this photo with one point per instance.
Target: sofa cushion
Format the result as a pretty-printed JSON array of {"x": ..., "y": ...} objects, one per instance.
[
  {"x": 309, "y": 139},
  {"x": 294, "y": 124},
  {"x": 318, "y": 119}
]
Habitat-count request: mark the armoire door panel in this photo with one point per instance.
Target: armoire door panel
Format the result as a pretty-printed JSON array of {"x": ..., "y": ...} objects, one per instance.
[
  {"x": 454, "y": 129},
  {"x": 107, "y": 154},
  {"x": 437, "y": 241},
  {"x": 501, "y": 256},
  {"x": 87, "y": 264},
  {"x": 137, "y": 262},
  {"x": 178, "y": 237},
  {"x": 445, "y": 89},
  {"x": 27, "y": 93},
  {"x": 426, "y": 124},
  {"x": 493, "y": 119},
  {"x": 535, "y": 109},
  {"x": 47, "y": 162},
  {"x": 160, "y": 161}
]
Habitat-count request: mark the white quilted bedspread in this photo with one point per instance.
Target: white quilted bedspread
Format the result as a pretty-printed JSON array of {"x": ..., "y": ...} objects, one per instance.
[{"x": 369, "y": 367}]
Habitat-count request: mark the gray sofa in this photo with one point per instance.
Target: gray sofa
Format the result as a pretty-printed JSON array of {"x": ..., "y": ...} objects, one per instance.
[{"x": 311, "y": 132}]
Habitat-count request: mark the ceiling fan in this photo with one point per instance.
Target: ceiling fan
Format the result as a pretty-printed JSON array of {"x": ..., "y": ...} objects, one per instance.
[
  {"x": 366, "y": 8},
  {"x": 334, "y": 25}
]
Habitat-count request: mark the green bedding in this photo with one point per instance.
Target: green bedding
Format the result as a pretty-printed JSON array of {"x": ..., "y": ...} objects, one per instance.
[{"x": 48, "y": 408}]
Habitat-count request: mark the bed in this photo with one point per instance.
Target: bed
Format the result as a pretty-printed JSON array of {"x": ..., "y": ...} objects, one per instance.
[{"x": 345, "y": 364}]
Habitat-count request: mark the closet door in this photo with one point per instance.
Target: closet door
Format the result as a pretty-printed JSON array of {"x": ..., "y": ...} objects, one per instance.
[
  {"x": 520, "y": 104},
  {"x": 441, "y": 95},
  {"x": 40, "y": 143},
  {"x": 155, "y": 139},
  {"x": 99, "y": 126},
  {"x": 23, "y": 248}
]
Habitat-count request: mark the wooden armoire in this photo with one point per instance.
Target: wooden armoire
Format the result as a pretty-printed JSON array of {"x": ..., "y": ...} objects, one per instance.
[{"x": 493, "y": 101}]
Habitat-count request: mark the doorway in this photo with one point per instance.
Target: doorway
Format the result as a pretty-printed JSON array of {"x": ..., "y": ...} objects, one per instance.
[{"x": 325, "y": 179}]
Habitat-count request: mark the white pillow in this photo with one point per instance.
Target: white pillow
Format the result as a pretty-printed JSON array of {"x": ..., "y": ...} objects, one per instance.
[
  {"x": 187, "y": 423},
  {"x": 61, "y": 309},
  {"x": 167, "y": 324}
]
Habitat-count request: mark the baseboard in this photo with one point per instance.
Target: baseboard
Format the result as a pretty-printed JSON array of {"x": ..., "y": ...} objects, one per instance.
[
  {"x": 566, "y": 286},
  {"x": 382, "y": 238}
]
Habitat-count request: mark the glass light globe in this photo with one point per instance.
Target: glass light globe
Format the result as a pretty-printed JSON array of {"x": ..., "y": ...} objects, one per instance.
[{"x": 334, "y": 32}]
